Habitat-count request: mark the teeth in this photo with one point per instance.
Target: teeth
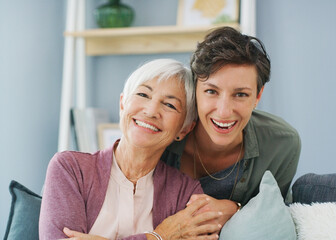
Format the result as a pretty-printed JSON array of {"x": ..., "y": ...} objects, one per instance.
[
  {"x": 224, "y": 125},
  {"x": 145, "y": 125}
]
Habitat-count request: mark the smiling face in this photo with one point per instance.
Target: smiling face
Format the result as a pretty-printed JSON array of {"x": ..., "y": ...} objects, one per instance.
[
  {"x": 153, "y": 115},
  {"x": 225, "y": 102}
]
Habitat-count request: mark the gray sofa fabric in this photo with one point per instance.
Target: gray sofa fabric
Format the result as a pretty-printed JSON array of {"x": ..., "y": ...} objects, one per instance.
[{"x": 310, "y": 188}]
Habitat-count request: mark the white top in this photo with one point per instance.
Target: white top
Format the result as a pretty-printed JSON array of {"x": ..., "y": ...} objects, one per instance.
[{"x": 124, "y": 213}]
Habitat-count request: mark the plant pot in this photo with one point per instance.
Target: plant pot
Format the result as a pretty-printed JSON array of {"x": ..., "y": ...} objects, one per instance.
[{"x": 114, "y": 14}]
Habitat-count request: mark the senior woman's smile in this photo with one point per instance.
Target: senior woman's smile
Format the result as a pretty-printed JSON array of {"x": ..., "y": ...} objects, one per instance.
[{"x": 146, "y": 125}]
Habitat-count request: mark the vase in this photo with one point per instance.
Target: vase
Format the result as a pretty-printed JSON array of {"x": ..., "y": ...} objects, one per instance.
[{"x": 114, "y": 14}]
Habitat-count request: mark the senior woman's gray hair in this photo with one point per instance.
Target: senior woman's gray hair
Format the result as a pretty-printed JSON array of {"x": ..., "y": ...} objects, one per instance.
[{"x": 163, "y": 69}]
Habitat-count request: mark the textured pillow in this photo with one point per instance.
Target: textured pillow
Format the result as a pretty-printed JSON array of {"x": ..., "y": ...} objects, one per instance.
[
  {"x": 315, "y": 221},
  {"x": 264, "y": 217},
  {"x": 24, "y": 213},
  {"x": 312, "y": 187}
]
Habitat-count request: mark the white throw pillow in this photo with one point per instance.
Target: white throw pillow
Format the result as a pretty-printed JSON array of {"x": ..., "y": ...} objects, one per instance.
[{"x": 314, "y": 222}]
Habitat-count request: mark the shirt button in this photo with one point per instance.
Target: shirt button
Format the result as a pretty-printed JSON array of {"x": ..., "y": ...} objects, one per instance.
[{"x": 243, "y": 180}]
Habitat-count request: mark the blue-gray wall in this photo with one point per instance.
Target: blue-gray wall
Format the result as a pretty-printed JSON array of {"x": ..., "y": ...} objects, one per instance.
[
  {"x": 31, "y": 50},
  {"x": 298, "y": 36}
]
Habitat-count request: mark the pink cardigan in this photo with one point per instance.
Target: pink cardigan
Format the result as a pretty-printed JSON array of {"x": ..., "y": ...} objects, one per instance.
[{"x": 76, "y": 184}]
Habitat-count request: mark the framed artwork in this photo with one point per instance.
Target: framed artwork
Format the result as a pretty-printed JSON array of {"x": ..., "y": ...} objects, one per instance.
[
  {"x": 207, "y": 12},
  {"x": 108, "y": 133}
]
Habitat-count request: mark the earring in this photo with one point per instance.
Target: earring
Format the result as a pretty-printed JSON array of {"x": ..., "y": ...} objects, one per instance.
[{"x": 177, "y": 138}]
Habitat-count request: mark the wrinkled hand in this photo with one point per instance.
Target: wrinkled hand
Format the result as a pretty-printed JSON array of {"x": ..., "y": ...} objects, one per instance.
[
  {"x": 227, "y": 207},
  {"x": 74, "y": 235},
  {"x": 187, "y": 225}
]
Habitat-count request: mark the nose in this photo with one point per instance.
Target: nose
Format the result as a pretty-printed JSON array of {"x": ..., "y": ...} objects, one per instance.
[
  {"x": 152, "y": 109},
  {"x": 224, "y": 107}
]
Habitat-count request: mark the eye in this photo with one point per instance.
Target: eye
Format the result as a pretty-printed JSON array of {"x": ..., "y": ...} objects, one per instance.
[
  {"x": 241, "y": 94},
  {"x": 170, "y": 106},
  {"x": 142, "y": 95},
  {"x": 210, "y": 91}
]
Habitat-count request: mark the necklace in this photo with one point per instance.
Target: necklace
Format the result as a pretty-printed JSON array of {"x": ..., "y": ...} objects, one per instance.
[{"x": 211, "y": 176}]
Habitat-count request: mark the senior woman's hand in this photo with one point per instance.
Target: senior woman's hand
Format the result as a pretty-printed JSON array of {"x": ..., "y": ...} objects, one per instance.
[
  {"x": 186, "y": 224},
  {"x": 74, "y": 235},
  {"x": 196, "y": 221},
  {"x": 227, "y": 207}
]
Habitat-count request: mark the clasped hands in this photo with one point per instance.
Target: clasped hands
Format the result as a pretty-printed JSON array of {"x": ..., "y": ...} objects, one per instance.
[{"x": 202, "y": 218}]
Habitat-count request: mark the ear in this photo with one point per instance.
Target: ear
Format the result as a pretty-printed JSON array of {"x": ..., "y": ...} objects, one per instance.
[
  {"x": 121, "y": 105},
  {"x": 259, "y": 96},
  {"x": 185, "y": 131}
]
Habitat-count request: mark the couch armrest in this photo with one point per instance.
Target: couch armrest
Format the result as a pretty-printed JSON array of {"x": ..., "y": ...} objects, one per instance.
[{"x": 312, "y": 187}]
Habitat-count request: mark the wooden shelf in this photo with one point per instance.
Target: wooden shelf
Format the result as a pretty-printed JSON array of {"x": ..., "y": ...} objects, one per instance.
[{"x": 143, "y": 40}]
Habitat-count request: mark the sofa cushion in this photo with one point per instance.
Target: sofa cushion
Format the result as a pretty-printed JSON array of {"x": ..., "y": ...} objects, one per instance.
[
  {"x": 24, "y": 213},
  {"x": 312, "y": 187},
  {"x": 264, "y": 217}
]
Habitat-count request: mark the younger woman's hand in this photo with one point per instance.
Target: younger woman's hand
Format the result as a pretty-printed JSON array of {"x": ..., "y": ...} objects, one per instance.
[
  {"x": 227, "y": 207},
  {"x": 187, "y": 225},
  {"x": 80, "y": 236}
]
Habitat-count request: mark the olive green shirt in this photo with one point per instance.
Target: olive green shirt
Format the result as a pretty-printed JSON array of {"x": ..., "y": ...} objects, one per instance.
[{"x": 270, "y": 144}]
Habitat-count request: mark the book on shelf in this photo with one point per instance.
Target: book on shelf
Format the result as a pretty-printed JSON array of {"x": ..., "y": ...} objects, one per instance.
[{"x": 85, "y": 122}]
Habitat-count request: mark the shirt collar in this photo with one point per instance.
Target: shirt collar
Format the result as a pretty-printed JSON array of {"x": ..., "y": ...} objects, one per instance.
[
  {"x": 250, "y": 141},
  {"x": 177, "y": 147}
]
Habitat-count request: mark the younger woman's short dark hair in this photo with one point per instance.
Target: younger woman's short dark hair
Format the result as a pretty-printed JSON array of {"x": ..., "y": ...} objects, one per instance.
[{"x": 226, "y": 45}]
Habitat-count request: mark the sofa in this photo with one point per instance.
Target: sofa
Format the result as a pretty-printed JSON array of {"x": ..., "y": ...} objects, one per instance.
[{"x": 310, "y": 214}]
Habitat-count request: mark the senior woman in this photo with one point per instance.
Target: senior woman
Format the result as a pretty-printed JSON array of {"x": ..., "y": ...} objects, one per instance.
[{"x": 125, "y": 192}]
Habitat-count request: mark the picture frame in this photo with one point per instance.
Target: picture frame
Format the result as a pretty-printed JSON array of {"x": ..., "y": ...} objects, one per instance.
[
  {"x": 108, "y": 133},
  {"x": 207, "y": 12}
]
